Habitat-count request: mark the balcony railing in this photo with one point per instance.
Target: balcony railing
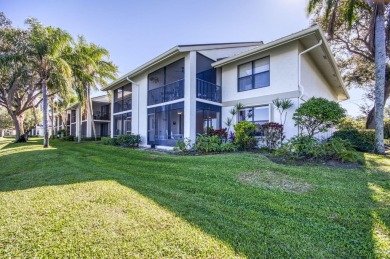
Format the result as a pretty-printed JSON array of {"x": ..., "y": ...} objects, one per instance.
[
  {"x": 208, "y": 91},
  {"x": 101, "y": 116},
  {"x": 166, "y": 93}
]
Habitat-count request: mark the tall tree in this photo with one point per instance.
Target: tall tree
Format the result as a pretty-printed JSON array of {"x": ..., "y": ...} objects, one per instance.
[
  {"x": 49, "y": 55},
  {"x": 343, "y": 12},
  {"x": 91, "y": 71},
  {"x": 18, "y": 89}
]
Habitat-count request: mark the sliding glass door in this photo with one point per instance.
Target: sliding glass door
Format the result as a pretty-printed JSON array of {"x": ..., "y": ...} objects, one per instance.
[{"x": 166, "y": 124}]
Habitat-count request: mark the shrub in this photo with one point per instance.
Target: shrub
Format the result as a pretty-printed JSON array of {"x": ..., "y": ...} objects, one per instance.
[
  {"x": 109, "y": 141},
  {"x": 184, "y": 145},
  {"x": 63, "y": 132},
  {"x": 68, "y": 138},
  {"x": 318, "y": 115},
  {"x": 207, "y": 144},
  {"x": 228, "y": 147},
  {"x": 362, "y": 140},
  {"x": 341, "y": 150},
  {"x": 128, "y": 140},
  {"x": 273, "y": 134},
  {"x": 232, "y": 137},
  {"x": 89, "y": 138},
  {"x": 305, "y": 147},
  {"x": 301, "y": 147},
  {"x": 351, "y": 123},
  {"x": 222, "y": 133},
  {"x": 387, "y": 129},
  {"x": 245, "y": 135}
]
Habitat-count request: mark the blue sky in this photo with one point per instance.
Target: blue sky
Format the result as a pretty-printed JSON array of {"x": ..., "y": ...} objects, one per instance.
[{"x": 136, "y": 31}]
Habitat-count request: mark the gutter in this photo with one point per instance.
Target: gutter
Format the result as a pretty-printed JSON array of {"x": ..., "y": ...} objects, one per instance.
[{"x": 301, "y": 89}]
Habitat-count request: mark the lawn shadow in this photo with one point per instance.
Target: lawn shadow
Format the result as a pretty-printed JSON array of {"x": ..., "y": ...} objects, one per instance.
[{"x": 204, "y": 191}]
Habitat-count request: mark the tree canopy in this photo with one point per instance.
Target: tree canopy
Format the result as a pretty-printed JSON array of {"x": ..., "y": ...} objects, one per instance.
[{"x": 42, "y": 61}]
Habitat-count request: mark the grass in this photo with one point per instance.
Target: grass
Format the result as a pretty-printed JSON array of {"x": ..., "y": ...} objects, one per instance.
[{"x": 92, "y": 200}]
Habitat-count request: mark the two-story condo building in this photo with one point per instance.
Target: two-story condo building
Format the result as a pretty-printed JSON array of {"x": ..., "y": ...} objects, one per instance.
[
  {"x": 192, "y": 88},
  {"x": 100, "y": 116}
]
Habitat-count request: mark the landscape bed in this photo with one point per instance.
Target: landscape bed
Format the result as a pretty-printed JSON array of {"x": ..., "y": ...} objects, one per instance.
[{"x": 93, "y": 200}]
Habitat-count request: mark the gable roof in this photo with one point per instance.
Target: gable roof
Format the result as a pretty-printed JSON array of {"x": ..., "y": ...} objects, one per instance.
[
  {"x": 179, "y": 49},
  {"x": 332, "y": 75},
  {"x": 100, "y": 99}
]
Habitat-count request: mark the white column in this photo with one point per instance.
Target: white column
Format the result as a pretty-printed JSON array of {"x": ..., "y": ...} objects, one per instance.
[
  {"x": 112, "y": 116},
  {"x": 219, "y": 76},
  {"x": 89, "y": 122},
  {"x": 77, "y": 123},
  {"x": 135, "y": 109},
  {"x": 190, "y": 96}
]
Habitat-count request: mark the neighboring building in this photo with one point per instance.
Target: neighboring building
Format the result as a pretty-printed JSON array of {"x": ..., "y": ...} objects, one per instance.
[
  {"x": 192, "y": 88},
  {"x": 101, "y": 118}
]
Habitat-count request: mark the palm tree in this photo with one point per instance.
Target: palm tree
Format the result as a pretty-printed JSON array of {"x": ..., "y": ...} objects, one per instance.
[
  {"x": 346, "y": 10},
  {"x": 91, "y": 71},
  {"x": 49, "y": 54}
]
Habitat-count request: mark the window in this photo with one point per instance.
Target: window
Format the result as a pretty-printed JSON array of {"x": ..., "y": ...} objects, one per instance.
[
  {"x": 122, "y": 124},
  {"x": 255, "y": 74},
  {"x": 208, "y": 117},
  {"x": 73, "y": 116},
  {"x": 256, "y": 115},
  {"x": 123, "y": 98}
]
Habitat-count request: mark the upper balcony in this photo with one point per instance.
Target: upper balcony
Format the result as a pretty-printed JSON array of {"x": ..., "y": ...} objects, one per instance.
[
  {"x": 101, "y": 116},
  {"x": 208, "y": 91},
  {"x": 166, "y": 93}
]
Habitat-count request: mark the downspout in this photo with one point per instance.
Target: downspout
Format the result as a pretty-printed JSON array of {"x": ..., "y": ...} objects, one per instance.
[
  {"x": 134, "y": 83},
  {"x": 301, "y": 89}
]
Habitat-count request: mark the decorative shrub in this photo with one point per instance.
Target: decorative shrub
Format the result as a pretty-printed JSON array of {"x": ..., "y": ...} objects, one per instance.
[
  {"x": 361, "y": 140},
  {"x": 245, "y": 135},
  {"x": 341, "y": 150},
  {"x": 61, "y": 132},
  {"x": 184, "y": 145},
  {"x": 128, "y": 140},
  {"x": 305, "y": 147},
  {"x": 301, "y": 147},
  {"x": 207, "y": 144},
  {"x": 232, "y": 137},
  {"x": 351, "y": 123},
  {"x": 318, "y": 115},
  {"x": 273, "y": 134},
  {"x": 222, "y": 133},
  {"x": 228, "y": 147},
  {"x": 109, "y": 141},
  {"x": 68, "y": 138}
]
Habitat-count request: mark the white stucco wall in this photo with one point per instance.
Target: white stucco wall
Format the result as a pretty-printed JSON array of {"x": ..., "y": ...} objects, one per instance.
[
  {"x": 283, "y": 74},
  {"x": 283, "y": 84},
  {"x": 313, "y": 81}
]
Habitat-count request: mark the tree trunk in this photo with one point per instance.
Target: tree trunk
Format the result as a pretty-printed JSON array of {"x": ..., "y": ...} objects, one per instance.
[
  {"x": 45, "y": 113},
  {"x": 380, "y": 73},
  {"x": 90, "y": 113},
  {"x": 19, "y": 127},
  {"x": 370, "y": 123},
  {"x": 80, "y": 122}
]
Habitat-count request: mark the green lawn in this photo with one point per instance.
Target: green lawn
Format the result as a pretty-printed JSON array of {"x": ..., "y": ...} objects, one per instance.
[{"x": 91, "y": 200}]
